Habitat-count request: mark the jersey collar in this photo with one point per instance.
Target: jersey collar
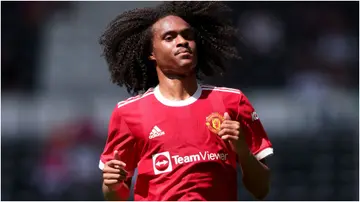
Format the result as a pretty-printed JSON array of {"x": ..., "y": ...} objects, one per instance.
[{"x": 177, "y": 103}]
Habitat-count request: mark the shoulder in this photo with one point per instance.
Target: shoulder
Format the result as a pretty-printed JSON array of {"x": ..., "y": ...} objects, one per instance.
[
  {"x": 132, "y": 102},
  {"x": 221, "y": 90},
  {"x": 129, "y": 106},
  {"x": 229, "y": 96}
]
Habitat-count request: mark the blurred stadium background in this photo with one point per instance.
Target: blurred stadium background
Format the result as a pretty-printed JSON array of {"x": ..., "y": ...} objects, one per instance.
[{"x": 299, "y": 69}]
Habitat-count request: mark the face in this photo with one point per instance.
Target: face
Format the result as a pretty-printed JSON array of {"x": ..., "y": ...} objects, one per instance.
[{"x": 174, "y": 48}]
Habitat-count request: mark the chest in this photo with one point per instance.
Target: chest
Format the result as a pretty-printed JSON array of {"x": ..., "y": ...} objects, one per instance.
[
  {"x": 191, "y": 128},
  {"x": 172, "y": 137}
]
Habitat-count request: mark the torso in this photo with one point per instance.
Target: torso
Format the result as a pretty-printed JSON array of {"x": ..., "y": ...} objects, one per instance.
[{"x": 180, "y": 156}]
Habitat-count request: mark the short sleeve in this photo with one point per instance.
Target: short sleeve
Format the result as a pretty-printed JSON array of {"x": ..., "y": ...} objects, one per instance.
[
  {"x": 120, "y": 139},
  {"x": 256, "y": 137}
]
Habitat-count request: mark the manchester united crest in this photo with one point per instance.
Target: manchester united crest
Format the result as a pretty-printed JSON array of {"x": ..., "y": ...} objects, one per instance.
[{"x": 213, "y": 122}]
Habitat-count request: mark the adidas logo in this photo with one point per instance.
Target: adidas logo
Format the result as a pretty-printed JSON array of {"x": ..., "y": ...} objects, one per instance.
[{"x": 156, "y": 132}]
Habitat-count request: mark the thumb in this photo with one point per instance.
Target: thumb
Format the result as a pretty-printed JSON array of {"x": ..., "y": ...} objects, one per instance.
[
  {"x": 116, "y": 155},
  {"x": 227, "y": 116}
]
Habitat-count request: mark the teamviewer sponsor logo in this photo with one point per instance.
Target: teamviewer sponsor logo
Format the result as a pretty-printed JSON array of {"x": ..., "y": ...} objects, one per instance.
[
  {"x": 162, "y": 163},
  {"x": 201, "y": 156}
]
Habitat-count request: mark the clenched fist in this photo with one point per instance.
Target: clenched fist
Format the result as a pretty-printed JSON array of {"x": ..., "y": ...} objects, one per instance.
[
  {"x": 231, "y": 131},
  {"x": 114, "y": 172}
]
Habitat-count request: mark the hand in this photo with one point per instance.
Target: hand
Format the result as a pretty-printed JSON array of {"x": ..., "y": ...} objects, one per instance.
[
  {"x": 114, "y": 173},
  {"x": 231, "y": 131}
]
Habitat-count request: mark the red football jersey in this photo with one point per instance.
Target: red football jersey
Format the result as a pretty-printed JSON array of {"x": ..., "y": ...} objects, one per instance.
[{"x": 174, "y": 144}]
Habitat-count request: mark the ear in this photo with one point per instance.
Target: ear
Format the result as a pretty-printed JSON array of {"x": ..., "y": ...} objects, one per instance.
[{"x": 152, "y": 57}]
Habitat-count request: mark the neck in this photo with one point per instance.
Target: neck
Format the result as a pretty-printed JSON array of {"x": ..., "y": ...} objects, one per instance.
[{"x": 177, "y": 88}]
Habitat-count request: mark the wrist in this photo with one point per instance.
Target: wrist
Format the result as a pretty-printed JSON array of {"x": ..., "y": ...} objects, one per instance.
[
  {"x": 116, "y": 192},
  {"x": 114, "y": 187}
]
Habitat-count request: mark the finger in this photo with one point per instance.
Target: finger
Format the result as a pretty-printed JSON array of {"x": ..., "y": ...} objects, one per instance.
[
  {"x": 120, "y": 176},
  {"x": 110, "y": 176},
  {"x": 224, "y": 131},
  {"x": 116, "y": 177},
  {"x": 108, "y": 169},
  {"x": 114, "y": 162},
  {"x": 228, "y": 131},
  {"x": 116, "y": 155},
  {"x": 119, "y": 169},
  {"x": 227, "y": 116},
  {"x": 111, "y": 182},
  {"x": 229, "y": 137},
  {"x": 230, "y": 124}
]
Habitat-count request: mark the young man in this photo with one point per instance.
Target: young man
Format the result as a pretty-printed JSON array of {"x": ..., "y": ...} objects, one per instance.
[{"x": 185, "y": 138}]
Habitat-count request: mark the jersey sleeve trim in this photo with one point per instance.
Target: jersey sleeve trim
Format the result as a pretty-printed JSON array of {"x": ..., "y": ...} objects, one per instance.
[
  {"x": 135, "y": 98},
  {"x": 101, "y": 165},
  {"x": 264, "y": 153},
  {"x": 221, "y": 89}
]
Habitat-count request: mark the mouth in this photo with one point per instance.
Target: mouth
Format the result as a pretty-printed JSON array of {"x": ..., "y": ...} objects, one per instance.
[{"x": 183, "y": 52}]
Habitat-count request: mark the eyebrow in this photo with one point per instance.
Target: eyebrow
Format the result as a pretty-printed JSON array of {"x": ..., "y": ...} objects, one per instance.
[{"x": 172, "y": 31}]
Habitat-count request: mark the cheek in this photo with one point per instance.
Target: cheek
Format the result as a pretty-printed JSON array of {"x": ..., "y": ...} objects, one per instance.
[
  {"x": 192, "y": 45},
  {"x": 167, "y": 47},
  {"x": 194, "y": 49},
  {"x": 163, "y": 50}
]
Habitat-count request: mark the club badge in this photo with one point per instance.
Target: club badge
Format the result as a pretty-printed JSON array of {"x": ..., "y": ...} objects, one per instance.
[{"x": 213, "y": 122}]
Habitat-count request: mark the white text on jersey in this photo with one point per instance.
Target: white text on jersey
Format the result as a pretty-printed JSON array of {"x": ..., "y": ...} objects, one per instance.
[{"x": 197, "y": 157}]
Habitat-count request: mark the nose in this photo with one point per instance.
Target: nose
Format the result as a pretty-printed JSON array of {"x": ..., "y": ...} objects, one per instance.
[{"x": 181, "y": 42}]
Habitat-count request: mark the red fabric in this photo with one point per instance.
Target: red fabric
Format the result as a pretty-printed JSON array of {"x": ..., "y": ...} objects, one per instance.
[{"x": 178, "y": 157}]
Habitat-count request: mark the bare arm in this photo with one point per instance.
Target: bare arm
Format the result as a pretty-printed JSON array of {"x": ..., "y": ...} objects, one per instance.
[{"x": 256, "y": 175}]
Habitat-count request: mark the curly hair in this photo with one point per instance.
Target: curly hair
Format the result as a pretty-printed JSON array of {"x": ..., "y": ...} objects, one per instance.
[{"x": 127, "y": 41}]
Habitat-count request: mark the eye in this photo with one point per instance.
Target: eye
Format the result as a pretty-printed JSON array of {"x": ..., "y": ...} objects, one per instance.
[
  {"x": 168, "y": 38},
  {"x": 188, "y": 34}
]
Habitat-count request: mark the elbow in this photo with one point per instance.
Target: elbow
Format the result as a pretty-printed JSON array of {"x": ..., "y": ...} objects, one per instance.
[
  {"x": 261, "y": 195},
  {"x": 260, "y": 187},
  {"x": 259, "y": 192},
  {"x": 264, "y": 188}
]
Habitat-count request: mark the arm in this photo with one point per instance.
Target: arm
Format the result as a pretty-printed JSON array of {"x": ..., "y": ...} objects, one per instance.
[
  {"x": 256, "y": 175},
  {"x": 119, "y": 193},
  {"x": 255, "y": 146},
  {"x": 120, "y": 149},
  {"x": 250, "y": 149},
  {"x": 249, "y": 140}
]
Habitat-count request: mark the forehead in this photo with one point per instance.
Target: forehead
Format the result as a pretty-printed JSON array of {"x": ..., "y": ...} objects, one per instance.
[{"x": 170, "y": 23}]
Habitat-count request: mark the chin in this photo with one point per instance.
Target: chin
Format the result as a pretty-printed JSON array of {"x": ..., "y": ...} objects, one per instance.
[
  {"x": 186, "y": 64},
  {"x": 186, "y": 68}
]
